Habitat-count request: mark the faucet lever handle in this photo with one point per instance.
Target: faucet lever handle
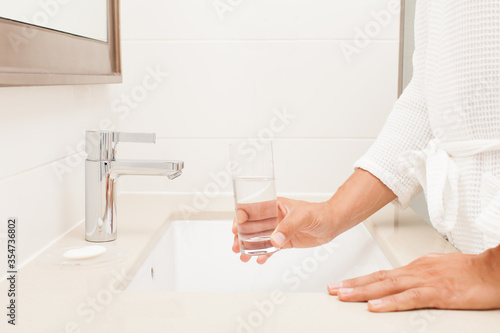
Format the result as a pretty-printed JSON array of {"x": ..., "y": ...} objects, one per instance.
[
  {"x": 101, "y": 145},
  {"x": 136, "y": 137}
]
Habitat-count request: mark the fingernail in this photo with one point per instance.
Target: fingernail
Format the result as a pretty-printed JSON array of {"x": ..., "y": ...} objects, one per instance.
[
  {"x": 278, "y": 238},
  {"x": 335, "y": 285},
  {"x": 345, "y": 291},
  {"x": 375, "y": 303}
]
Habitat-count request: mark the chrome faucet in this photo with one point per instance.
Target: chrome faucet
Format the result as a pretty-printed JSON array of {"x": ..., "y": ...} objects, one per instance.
[{"x": 102, "y": 171}]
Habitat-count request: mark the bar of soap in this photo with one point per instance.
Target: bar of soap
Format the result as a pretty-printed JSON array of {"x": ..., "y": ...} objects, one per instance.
[{"x": 85, "y": 252}]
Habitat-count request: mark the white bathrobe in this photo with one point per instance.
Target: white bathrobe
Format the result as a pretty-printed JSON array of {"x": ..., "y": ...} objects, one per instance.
[{"x": 443, "y": 134}]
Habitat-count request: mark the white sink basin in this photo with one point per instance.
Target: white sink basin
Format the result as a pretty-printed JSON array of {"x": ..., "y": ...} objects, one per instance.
[{"x": 197, "y": 256}]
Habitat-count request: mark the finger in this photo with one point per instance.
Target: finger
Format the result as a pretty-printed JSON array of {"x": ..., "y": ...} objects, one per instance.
[
  {"x": 417, "y": 298},
  {"x": 282, "y": 206},
  {"x": 251, "y": 227},
  {"x": 262, "y": 259},
  {"x": 236, "y": 244},
  {"x": 234, "y": 228},
  {"x": 253, "y": 237},
  {"x": 286, "y": 229},
  {"x": 389, "y": 286},
  {"x": 245, "y": 257},
  {"x": 361, "y": 281},
  {"x": 333, "y": 288},
  {"x": 241, "y": 216},
  {"x": 368, "y": 279},
  {"x": 259, "y": 210}
]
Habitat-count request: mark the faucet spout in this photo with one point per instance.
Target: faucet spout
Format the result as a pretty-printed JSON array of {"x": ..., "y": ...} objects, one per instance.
[{"x": 146, "y": 168}]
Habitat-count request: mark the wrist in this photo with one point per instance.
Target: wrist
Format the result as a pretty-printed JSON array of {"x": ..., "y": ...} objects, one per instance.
[
  {"x": 491, "y": 258},
  {"x": 358, "y": 198},
  {"x": 338, "y": 217},
  {"x": 488, "y": 264}
]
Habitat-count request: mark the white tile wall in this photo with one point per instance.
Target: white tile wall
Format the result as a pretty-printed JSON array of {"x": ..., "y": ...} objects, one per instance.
[
  {"x": 228, "y": 89},
  {"x": 41, "y": 174},
  {"x": 228, "y": 77},
  {"x": 45, "y": 206},
  {"x": 48, "y": 122},
  {"x": 225, "y": 79},
  {"x": 252, "y": 20}
]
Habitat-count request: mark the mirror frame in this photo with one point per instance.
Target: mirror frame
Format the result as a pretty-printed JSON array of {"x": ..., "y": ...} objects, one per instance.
[{"x": 36, "y": 56}]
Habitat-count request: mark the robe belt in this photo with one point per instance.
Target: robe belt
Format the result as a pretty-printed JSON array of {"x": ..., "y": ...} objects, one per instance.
[{"x": 437, "y": 172}]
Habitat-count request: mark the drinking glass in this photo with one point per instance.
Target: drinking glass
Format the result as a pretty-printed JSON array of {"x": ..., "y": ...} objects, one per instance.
[{"x": 254, "y": 195}]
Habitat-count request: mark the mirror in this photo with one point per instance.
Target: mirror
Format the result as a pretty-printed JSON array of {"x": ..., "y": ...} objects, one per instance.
[
  {"x": 85, "y": 18},
  {"x": 53, "y": 42}
]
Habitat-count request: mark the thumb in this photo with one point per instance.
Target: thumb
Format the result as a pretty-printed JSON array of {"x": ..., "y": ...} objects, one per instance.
[{"x": 285, "y": 230}]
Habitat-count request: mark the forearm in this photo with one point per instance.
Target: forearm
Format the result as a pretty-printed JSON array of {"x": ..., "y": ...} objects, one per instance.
[
  {"x": 306, "y": 224},
  {"x": 358, "y": 198}
]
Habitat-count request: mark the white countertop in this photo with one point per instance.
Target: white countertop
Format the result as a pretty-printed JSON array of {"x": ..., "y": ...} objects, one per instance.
[{"x": 56, "y": 299}]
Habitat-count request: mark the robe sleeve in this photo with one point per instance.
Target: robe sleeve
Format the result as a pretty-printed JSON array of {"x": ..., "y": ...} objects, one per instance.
[{"x": 407, "y": 127}]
